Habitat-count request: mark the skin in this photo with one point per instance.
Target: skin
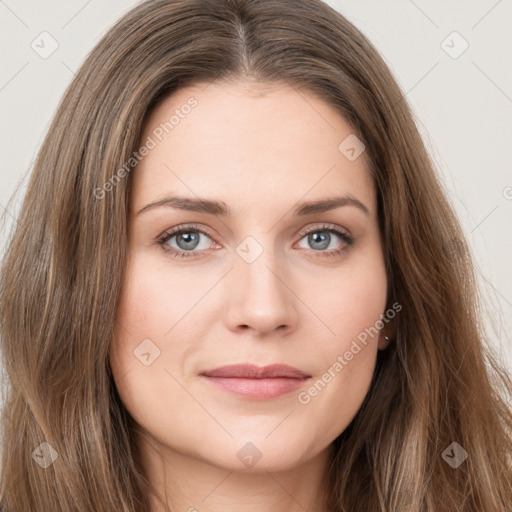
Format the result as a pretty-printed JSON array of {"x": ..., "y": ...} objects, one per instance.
[{"x": 262, "y": 150}]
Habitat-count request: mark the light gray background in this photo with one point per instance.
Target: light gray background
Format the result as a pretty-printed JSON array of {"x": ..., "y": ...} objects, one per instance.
[{"x": 463, "y": 105}]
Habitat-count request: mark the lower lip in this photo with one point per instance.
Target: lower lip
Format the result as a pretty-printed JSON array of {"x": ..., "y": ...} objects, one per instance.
[{"x": 257, "y": 389}]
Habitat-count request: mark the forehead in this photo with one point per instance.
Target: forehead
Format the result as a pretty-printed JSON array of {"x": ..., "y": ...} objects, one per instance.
[{"x": 244, "y": 143}]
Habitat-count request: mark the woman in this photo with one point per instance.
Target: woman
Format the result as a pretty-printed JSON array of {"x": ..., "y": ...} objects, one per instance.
[{"x": 236, "y": 284}]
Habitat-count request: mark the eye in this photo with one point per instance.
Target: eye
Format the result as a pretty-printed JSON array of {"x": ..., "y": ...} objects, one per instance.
[
  {"x": 320, "y": 238},
  {"x": 187, "y": 239}
]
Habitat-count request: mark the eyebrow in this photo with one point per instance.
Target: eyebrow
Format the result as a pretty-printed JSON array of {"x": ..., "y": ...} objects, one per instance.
[{"x": 220, "y": 208}]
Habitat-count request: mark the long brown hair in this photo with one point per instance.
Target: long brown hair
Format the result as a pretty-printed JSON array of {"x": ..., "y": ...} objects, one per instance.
[{"x": 436, "y": 384}]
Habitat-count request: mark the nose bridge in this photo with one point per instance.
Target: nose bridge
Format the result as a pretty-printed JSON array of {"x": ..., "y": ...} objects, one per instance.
[{"x": 259, "y": 294}]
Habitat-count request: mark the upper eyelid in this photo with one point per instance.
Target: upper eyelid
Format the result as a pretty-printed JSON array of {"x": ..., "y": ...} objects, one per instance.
[
  {"x": 169, "y": 233},
  {"x": 325, "y": 226}
]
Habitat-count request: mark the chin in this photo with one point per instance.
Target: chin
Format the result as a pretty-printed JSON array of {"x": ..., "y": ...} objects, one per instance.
[{"x": 260, "y": 456}]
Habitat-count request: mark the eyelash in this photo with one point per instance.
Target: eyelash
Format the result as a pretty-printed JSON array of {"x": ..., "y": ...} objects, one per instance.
[{"x": 175, "y": 253}]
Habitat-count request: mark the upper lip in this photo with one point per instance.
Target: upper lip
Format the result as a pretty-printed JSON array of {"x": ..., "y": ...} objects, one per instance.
[{"x": 250, "y": 371}]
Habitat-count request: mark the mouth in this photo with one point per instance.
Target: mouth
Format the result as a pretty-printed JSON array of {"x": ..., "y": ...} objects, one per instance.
[{"x": 257, "y": 383}]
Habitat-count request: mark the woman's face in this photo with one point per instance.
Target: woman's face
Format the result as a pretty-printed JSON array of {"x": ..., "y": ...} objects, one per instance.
[{"x": 258, "y": 276}]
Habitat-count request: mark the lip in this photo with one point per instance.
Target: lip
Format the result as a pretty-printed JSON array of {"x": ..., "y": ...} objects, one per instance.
[
  {"x": 257, "y": 383},
  {"x": 251, "y": 371}
]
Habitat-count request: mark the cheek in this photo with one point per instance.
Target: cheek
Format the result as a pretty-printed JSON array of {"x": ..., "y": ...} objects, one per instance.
[
  {"x": 152, "y": 299},
  {"x": 152, "y": 332},
  {"x": 138, "y": 358},
  {"x": 351, "y": 305},
  {"x": 351, "y": 299},
  {"x": 138, "y": 327},
  {"x": 335, "y": 396}
]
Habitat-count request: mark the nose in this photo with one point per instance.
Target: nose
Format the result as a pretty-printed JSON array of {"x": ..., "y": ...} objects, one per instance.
[{"x": 261, "y": 297}]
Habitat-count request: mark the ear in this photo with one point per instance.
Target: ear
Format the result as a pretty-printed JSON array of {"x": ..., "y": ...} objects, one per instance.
[{"x": 389, "y": 332}]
